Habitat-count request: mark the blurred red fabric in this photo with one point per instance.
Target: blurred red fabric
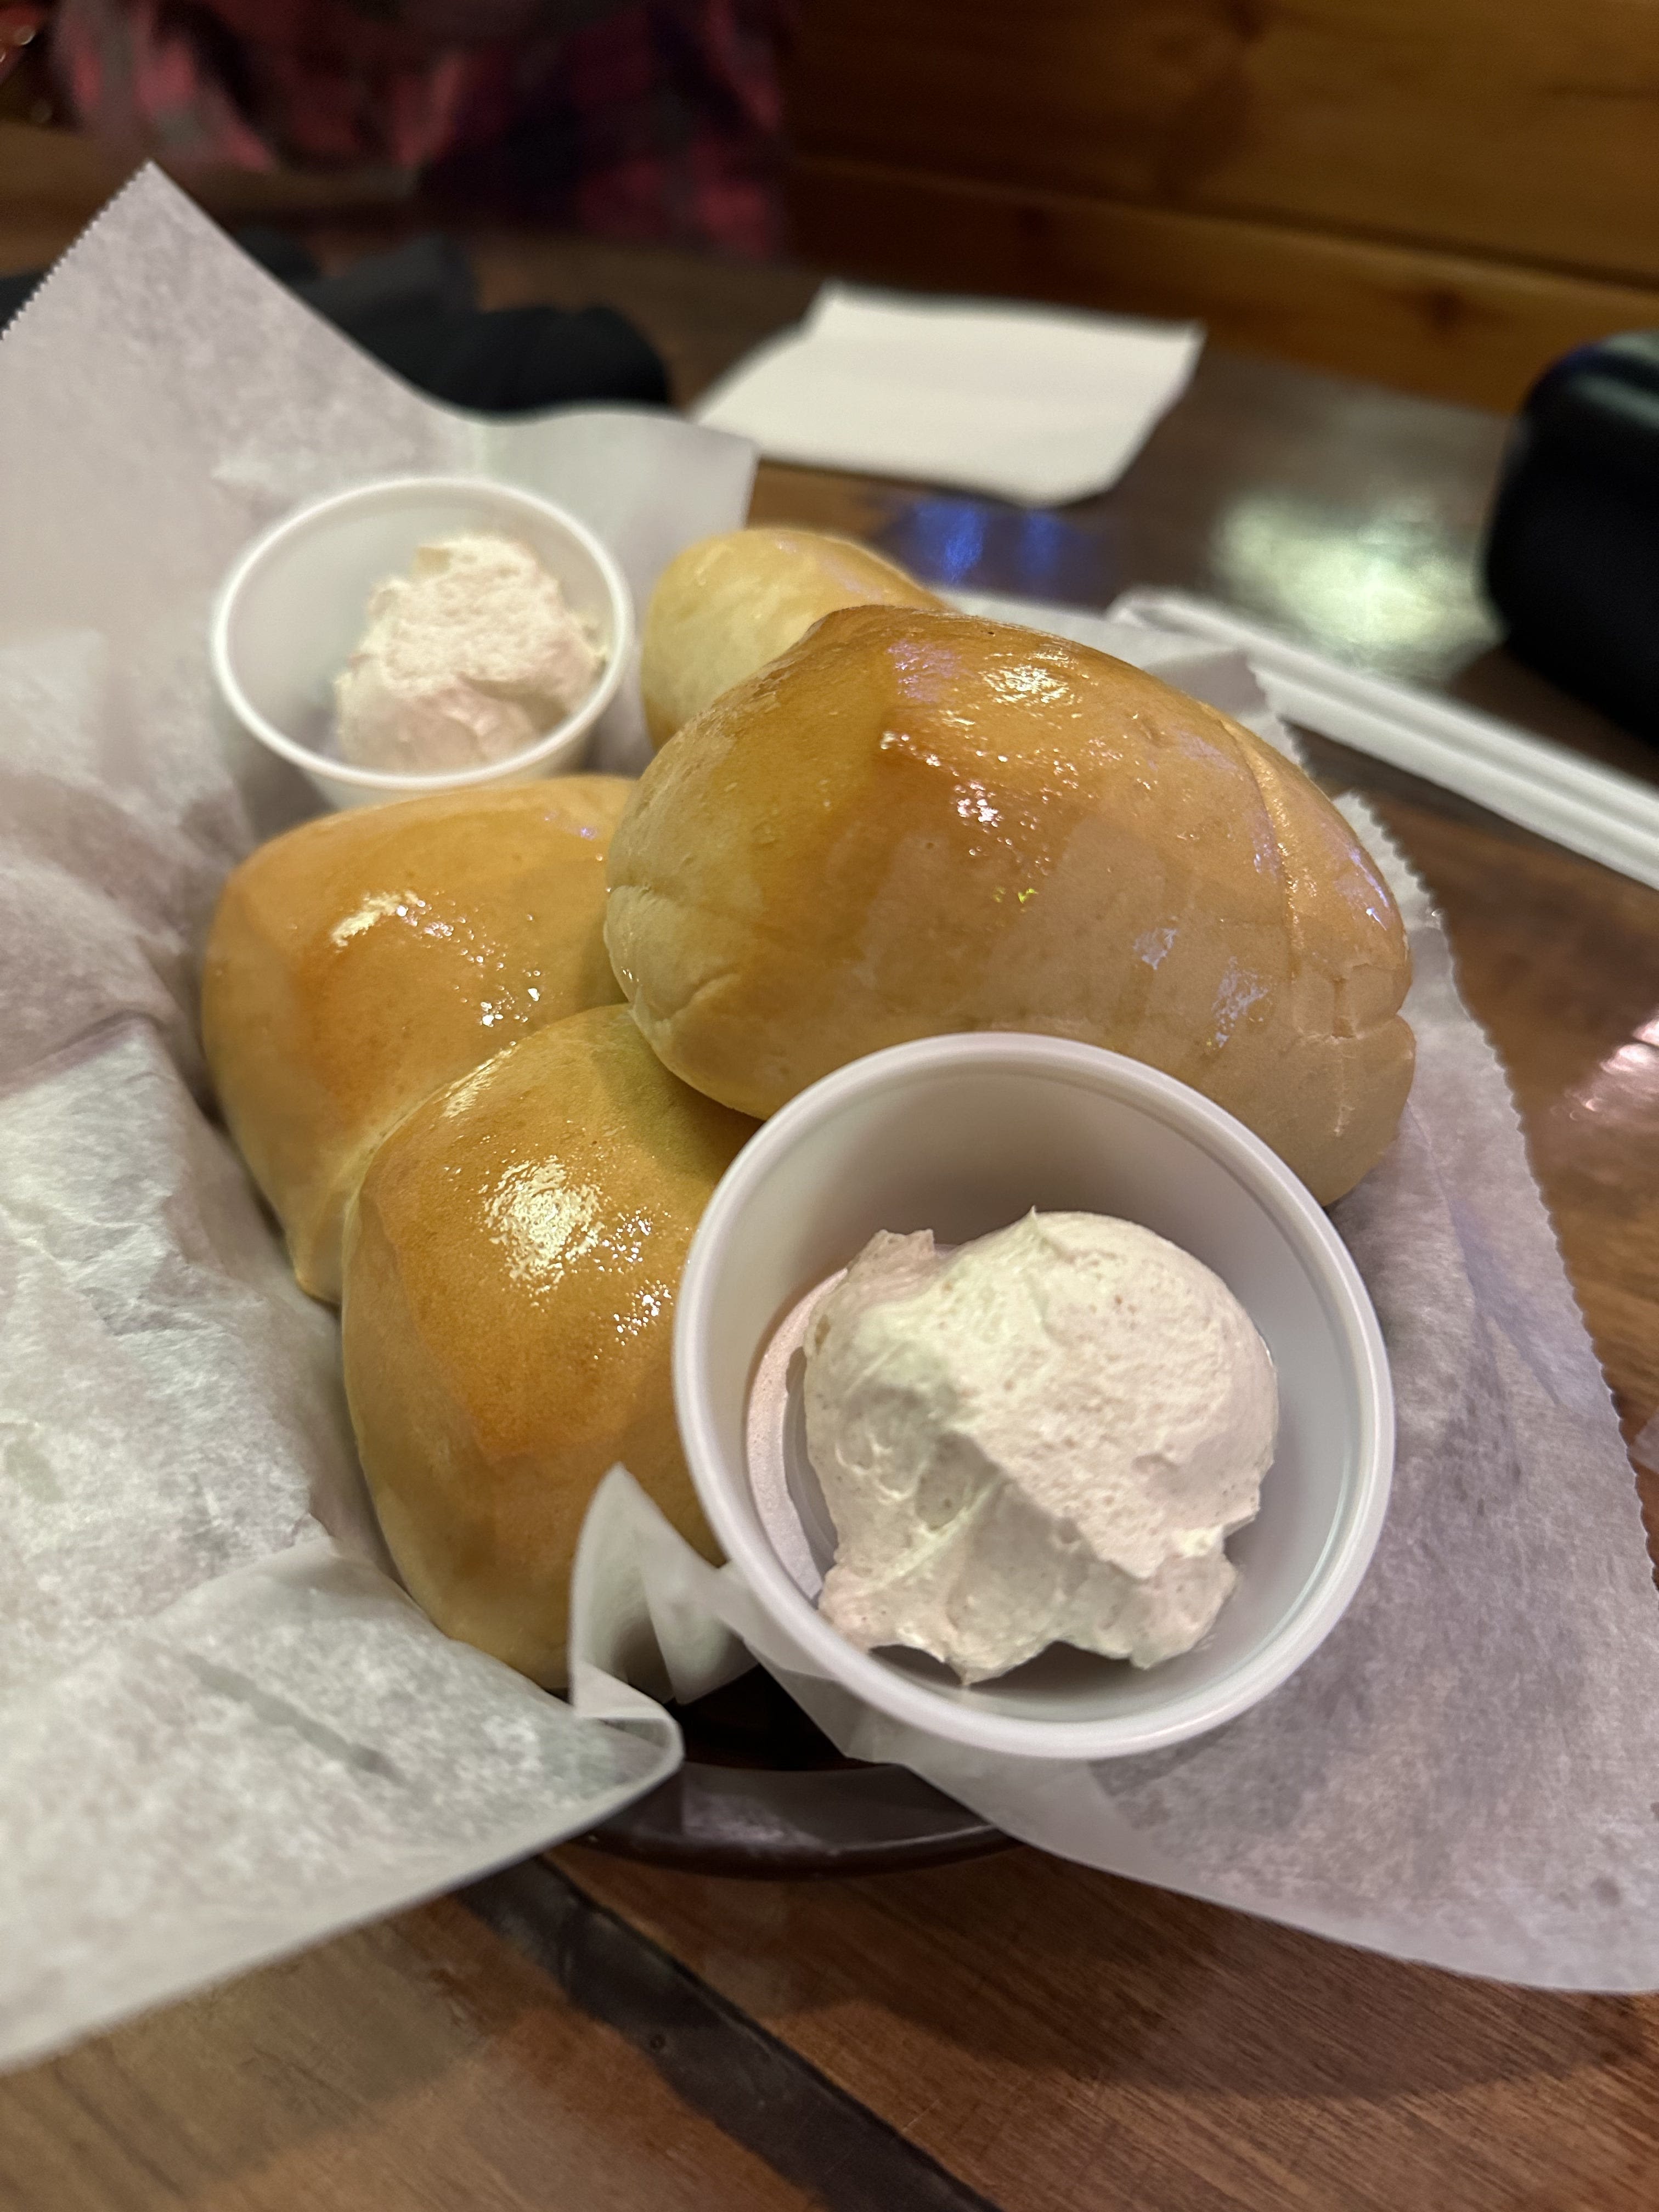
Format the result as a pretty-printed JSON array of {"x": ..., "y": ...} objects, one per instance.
[{"x": 649, "y": 120}]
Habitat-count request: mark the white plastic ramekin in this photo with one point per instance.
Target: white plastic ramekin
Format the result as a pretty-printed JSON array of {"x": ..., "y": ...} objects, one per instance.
[
  {"x": 961, "y": 1135},
  {"x": 294, "y": 607}
]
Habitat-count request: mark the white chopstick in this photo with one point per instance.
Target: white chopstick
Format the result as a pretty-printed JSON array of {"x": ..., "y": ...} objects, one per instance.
[{"x": 1598, "y": 812}]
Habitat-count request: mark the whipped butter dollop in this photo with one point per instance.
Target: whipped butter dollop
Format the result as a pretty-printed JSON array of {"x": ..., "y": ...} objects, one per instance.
[
  {"x": 1043, "y": 1437},
  {"x": 470, "y": 657}
]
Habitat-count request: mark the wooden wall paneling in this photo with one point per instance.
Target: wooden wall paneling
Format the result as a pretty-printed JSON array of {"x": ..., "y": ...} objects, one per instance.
[
  {"x": 53, "y": 182},
  {"x": 1445, "y": 194},
  {"x": 1444, "y": 323},
  {"x": 1525, "y": 128}
]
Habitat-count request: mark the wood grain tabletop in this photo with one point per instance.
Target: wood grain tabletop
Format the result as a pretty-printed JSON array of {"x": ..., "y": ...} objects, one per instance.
[{"x": 581, "y": 2032}]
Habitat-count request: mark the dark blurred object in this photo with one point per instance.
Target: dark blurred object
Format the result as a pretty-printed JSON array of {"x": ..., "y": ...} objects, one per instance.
[
  {"x": 647, "y": 119},
  {"x": 415, "y": 311},
  {"x": 14, "y": 291},
  {"x": 1572, "y": 550},
  {"x": 664, "y": 123},
  {"x": 26, "y": 88}
]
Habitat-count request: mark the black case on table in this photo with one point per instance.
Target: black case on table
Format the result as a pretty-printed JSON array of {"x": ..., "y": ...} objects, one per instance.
[{"x": 1572, "y": 548}]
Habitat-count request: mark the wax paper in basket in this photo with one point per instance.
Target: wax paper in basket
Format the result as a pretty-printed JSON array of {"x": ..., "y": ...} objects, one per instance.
[
  {"x": 224, "y": 1730},
  {"x": 1468, "y": 1771}
]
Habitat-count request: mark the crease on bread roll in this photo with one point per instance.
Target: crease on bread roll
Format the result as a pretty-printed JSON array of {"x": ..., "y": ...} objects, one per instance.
[
  {"x": 727, "y": 605},
  {"x": 513, "y": 1256},
  {"x": 363, "y": 959},
  {"x": 915, "y": 823}
]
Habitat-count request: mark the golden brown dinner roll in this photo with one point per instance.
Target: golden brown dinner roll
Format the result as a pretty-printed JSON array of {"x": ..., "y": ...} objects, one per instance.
[
  {"x": 727, "y": 605},
  {"x": 512, "y": 1260},
  {"x": 918, "y": 823},
  {"x": 364, "y": 958}
]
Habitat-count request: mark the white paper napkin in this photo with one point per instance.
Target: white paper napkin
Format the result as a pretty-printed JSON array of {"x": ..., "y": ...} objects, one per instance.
[
  {"x": 224, "y": 1730},
  {"x": 1467, "y": 1772},
  {"x": 1037, "y": 405}
]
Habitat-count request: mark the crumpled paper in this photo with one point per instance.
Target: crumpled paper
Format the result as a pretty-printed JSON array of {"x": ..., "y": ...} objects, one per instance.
[
  {"x": 1467, "y": 1772},
  {"x": 224, "y": 1729}
]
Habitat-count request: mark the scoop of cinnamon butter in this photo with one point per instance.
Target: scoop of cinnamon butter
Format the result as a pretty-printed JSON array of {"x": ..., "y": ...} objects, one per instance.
[
  {"x": 1043, "y": 1437},
  {"x": 470, "y": 657}
]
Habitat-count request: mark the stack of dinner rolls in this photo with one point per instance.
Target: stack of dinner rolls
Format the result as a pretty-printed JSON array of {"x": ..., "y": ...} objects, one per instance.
[{"x": 487, "y": 1053}]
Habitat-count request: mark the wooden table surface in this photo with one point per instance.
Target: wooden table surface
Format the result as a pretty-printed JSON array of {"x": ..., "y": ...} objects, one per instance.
[{"x": 583, "y": 2032}]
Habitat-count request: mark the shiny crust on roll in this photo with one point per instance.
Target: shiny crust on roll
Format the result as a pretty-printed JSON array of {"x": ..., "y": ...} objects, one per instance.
[
  {"x": 366, "y": 958},
  {"x": 512, "y": 1261},
  {"x": 919, "y": 823},
  {"x": 727, "y": 605}
]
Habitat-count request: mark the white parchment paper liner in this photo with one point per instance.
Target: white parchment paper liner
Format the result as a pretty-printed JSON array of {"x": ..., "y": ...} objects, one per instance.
[
  {"x": 224, "y": 1730},
  {"x": 1468, "y": 1771}
]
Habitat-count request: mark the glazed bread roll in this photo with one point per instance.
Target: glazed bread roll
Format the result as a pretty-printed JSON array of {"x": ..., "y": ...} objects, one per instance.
[
  {"x": 919, "y": 823},
  {"x": 726, "y": 607},
  {"x": 364, "y": 958},
  {"x": 512, "y": 1259}
]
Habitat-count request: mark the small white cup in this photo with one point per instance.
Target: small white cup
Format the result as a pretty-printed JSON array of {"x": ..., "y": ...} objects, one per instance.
[
  {"x": 294, "y": 608},
  {"x": 962, "y": 1135}
]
